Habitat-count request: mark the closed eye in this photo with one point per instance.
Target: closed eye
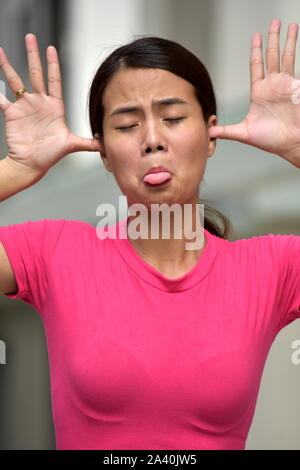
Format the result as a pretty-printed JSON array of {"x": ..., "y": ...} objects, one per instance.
[{"x": 170, "y": 120}]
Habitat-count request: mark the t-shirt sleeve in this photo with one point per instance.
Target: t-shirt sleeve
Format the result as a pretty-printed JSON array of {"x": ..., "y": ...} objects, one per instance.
[
  {"x": 29, "y": 246},
  {"x": 288, "y": 248}
]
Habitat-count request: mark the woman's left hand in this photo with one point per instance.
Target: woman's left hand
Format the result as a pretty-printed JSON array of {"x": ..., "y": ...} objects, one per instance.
[{"x": 273, "y": 120}]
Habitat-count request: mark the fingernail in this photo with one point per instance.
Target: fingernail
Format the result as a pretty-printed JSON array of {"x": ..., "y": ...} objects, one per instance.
[{"x": 29, "y": 35}]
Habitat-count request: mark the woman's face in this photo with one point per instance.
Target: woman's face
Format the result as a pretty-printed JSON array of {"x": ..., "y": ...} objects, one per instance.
[{"x": 181, "y": 146}]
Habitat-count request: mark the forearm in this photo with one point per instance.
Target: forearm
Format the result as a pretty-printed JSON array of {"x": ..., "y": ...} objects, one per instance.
[{"x": 14, "y": 177}]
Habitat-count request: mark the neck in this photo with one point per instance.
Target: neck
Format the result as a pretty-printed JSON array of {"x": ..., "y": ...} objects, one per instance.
[{"x": 169, "y": 241}]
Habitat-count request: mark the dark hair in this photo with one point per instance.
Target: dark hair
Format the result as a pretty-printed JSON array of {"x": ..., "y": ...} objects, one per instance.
[{"x": 155, "y": 52}]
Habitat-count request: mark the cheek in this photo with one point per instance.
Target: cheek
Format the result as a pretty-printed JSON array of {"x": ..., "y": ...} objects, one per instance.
[
  {"x": 121, "y": 155},
  {"x": 194, "y": 136},
  {"x": 200, "y": 140},
  {"x": 124, "y": 165},
  {"x": 194, "y": 146}
]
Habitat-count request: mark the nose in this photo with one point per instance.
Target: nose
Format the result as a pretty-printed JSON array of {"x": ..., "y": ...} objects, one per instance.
[
  {"x": 153, "y": 140},
  {"x": 149, "y": 149}
]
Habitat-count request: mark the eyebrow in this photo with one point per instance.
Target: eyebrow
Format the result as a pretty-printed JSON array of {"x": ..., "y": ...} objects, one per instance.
[{"x": 162, "y": 102}]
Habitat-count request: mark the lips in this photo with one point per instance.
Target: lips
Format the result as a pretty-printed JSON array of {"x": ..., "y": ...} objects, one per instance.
[
  {"x": 157, "y": 169},
  {"x": 157, "y": 175}
]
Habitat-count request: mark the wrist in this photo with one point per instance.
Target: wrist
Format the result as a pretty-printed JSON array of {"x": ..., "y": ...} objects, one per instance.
[
  {"x": 292, "y": 156},
  {"x": 25, "y": 175},
  {"x": 14, "y": 177}
]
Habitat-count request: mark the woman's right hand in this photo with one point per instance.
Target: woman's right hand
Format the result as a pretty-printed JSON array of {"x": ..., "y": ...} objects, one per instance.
[{"x": 35, "y": 126}]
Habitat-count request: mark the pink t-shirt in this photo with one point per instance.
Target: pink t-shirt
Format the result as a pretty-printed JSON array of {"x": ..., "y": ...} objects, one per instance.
[{"x": 141, "y": 361}]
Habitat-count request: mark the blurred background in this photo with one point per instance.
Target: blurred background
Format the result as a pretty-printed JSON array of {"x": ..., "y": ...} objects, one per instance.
[{"x": 257, "y": 191}]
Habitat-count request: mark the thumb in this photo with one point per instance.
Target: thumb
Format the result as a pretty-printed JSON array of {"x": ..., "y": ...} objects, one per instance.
[
  {"x": 87, "y": 144},
  {"x": 234, "y": 132}
]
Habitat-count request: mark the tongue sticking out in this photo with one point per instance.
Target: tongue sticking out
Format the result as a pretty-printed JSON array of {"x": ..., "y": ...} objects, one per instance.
[{"x": 157, "y": 178}]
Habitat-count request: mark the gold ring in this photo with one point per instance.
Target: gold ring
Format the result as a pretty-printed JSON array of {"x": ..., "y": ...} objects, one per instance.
[{"x": 20, "y": 92}]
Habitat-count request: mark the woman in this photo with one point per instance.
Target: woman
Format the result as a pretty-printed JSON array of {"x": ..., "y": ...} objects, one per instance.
[{"x": 151, "y": 345}]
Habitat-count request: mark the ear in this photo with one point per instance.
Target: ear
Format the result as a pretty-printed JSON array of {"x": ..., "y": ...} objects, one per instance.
[
  {"x": 213, "y": 120},
  {"x": 103, "y": 153}
]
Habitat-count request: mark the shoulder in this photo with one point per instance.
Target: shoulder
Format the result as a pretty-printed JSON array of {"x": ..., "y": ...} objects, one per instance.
[{"x": 268, "y": 249}]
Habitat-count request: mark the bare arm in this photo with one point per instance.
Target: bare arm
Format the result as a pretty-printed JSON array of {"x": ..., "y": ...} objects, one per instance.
[
  {"x": 14, "y": 177},
  {"x": 8, "y": 283}
]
